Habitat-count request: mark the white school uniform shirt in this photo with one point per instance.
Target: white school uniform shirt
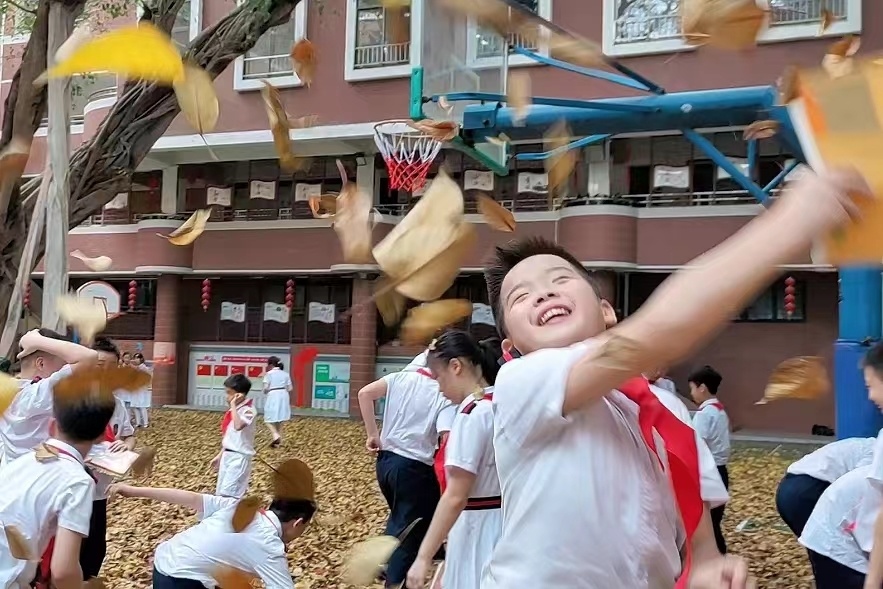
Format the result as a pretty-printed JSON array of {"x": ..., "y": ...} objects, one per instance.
[
  {"x": 832, "y": 528},
  {"x": 122, "y": 428},
  {"x": 470, "y": 445},
  {"x": 241, "y": 441},
  {"x": 864, "y": 516},
  {"x": 667, "y": 384},
  {"x": 277, "y": 379},
  {"x": 197, "y": 552},
  {"x": 585, "y": 502},
  {"x": 832, "y": 461},
  {"x": 414, "y": 416},
  {"x": 37, "y": 498},
  {"x": 713, "y": 425},
  {"x": 711, "y": 486},
  {"x": 25, "y": 424}
]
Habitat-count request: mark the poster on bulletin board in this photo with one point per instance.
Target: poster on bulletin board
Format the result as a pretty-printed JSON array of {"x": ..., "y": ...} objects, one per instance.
[
  {"x": 331, "y": 384},
  {"x": 210, "y": 367}
]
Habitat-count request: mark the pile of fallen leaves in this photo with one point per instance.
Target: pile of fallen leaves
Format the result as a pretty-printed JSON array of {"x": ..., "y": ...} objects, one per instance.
[{"x": 351, "y": 507}]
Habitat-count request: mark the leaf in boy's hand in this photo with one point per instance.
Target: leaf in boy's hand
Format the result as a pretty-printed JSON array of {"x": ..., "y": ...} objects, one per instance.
[
  {"x": 804, "y": 377},
  {"x": 143, "y": 465},
  {"x": 366, "y": 559},
  {"x": 230, "y": 578},
  {"x": 19, "y": 546},
  {"x": 245, "y": 512}
]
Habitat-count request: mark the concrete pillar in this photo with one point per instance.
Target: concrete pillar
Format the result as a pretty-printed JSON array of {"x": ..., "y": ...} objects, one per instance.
[
  {"x": 366, "y": 179},
  {"x": 169, "y": 205},
  {"x": 363, "y": 341},
  {"x": 166, "y": 389}
]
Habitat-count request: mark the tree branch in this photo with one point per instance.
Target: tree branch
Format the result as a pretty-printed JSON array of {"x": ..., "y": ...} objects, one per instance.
[{"x": 22, "y": 8}]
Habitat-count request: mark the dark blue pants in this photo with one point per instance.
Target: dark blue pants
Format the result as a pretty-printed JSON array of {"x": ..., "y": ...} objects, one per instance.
[
  {"x": 717, "y": 514},
  {"x": 412, "y": 492},
  {"x": 93, "y": 549},
  {"x": 796, "y": 497},
  {"x": 161, "y": 581},
  {"x": 830, "y": 574}
]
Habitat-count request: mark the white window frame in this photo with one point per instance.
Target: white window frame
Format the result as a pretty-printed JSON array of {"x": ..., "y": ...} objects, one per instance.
[
  {"x": 544, "y": 10},
  {"x": 195, "y": 17},
  {"x": 852, "y": 24},
  {"x": 243, "y": 84},
  {"x": 354, "y": 74}
]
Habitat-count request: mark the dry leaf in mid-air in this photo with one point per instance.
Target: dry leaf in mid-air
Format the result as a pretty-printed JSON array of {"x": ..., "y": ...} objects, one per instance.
[
  {"x": 838, "y": 60},
  {"x": 804, "y": 377},
  {"x": 140, "y": 52},
  {"x": 304, "y": 60},
  {"x": 826, "y": 19},
  {"x": 293, "y": 480},
  {"x": 197, "y": 98},
  {"x": 19, "y": 546},
  {"x": 97, "y": 264},
  {"x": 190, "y": 230},
  {"x": 280, "y": 125},
  {"x": 9, "y": 388},
  {"x": 726, "y": 24},
  {"x": 143, "y": 465},
  {"x": 88, "y": 316},
  {"x": 230, "y": 578},
  {"x": 576, "y": 50},
  {"x": 390, "y": 304},
  {"x": 245, "y": 512},
  {"x": 760, "y": 130},
  {"x": 100, "y": 382},
  {"x": 366, "y": 560},
  {"x": 560, "y": 164},
  {"x": 495, "y": 214},
  {"x": 423, "y": 322},
  {"x": 324, "y": 206},
  {"x": 352, "y": 221},
  {"x": 438, "y": 130},
  {"x": 518, "y": 95},
  {"x": 788, "y": 85},
  {"x": 13, "y": 159}
]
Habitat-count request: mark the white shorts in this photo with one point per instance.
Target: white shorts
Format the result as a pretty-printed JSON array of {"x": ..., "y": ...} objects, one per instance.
[{"x": 233, "y": 474}]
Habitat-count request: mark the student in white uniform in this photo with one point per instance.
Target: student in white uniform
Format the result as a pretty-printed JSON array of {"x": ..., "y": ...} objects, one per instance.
[
  {"x": 587, "y": 503},
  {"x": 234, "y": 461},
  {"x": 122, "y": 438},
  {"x": 46, "y": 357},
  {"x": 49, "y": 499},
  {"x": 469, "y": 514},
  {"x": 412, "y": 416},
  {"x": 659, "y": 379},
  {"x": 713, "y": 425},
  {"x": 805, "y": 480},
  {"x": 141, "y": 400},
  {"x": 192, "y": 559},
  {"x": 277, "y": 407}
]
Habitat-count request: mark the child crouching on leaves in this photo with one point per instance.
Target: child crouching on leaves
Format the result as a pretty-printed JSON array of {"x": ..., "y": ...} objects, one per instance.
[{"x": 234, "y": 461}]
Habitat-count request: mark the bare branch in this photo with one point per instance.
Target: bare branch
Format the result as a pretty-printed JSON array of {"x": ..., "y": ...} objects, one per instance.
[{"x": 22, "y": 8}]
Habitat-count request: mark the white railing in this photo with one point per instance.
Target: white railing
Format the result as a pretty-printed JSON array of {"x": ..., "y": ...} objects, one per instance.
[
  {"x": 386, "y": 54},
  {"x": 266, "y": 66},
  {"x": 490, "y": 44}
]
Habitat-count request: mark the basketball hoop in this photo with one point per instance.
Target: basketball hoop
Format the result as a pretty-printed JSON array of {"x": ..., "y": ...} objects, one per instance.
[{"x": 408, "y": 153}]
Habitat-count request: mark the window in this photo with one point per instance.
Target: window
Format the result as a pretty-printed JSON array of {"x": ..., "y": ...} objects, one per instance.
[
  {"x": 636, "y": 27},
  {"x": 17, "y": 24},
  {"x": 770, "y": 305},
  {"x": 380, "y": 40},
  {"x": 85, "y": 89},
  {"x": 187, "y": 23},
  {"x": 487, "y": 46},
  {"x": 270, "y": 58}
]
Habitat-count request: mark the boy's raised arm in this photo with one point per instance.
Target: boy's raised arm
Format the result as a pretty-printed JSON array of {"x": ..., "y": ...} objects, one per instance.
[{"x": 695, "y": 302}]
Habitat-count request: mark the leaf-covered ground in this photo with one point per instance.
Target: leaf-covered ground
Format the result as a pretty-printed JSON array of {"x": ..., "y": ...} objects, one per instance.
[{"x": 351, "y": 507}]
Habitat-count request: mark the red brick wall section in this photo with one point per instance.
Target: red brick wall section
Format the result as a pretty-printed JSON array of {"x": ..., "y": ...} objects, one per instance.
[
  {"x": 363, "y": 338},
  {"x": 166, "y": 389}
]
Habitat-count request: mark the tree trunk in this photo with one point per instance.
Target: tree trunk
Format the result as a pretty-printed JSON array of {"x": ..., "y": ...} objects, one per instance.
[{"x": 103, "y": 166}]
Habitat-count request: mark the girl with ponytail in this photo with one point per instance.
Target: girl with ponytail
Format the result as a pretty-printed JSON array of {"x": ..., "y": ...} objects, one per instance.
[{"x": 469, "y": 513}]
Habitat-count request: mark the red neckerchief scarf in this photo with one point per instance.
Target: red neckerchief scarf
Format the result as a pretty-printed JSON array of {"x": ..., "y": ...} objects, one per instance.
[
  {"x": 717, "y": 405},
  {"x": 439, "y": 464},
  {"x": 228, "y": 417}
]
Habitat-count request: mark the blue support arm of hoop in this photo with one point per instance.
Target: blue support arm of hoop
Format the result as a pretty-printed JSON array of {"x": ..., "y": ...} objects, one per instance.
[
  {"x": 615, "y": 105},
  {"x": 584, "y": 142}
]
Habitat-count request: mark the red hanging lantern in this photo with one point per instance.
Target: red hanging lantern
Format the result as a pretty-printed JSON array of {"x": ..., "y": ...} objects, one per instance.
[
  {"x": 790, "y": 299},
  {"x": 289, "y": 294},
  {"x": 26, "y": 299},
  {"x": 206, "y": 294},
  {"x": 133, "y": 294}
]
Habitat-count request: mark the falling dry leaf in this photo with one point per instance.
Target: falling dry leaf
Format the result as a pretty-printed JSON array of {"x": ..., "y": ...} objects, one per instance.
[
  {"x": 9, "y": 388},
  {"x": 352, "y": 221},
  {"x": 788, "y": 85},
  {"x": 143, "y": 465},
  {"x": 280, "y": 126},
  {"x": 518, "y": 95},
  {"x": 804, "y": 377},
  {"x": 826, "y": 19},
  {"x": 245, "y": 512},
  {"x": 367, "y": 559},
  {"x": 304, "y": 60},
  {"x": 197, "y": 98},
  {"x": 390, "y": 304},
  {"x": 190, "y": 230},
  {"x": 141, "y": 52},
  {"x": 46, "y": 453},
  {"x": 446, "y": 106},
  {"x": 495, "y": 214},
  {"x": 761, "y": 130},
  {"x": 98, "y": 264},
  {"x": 726, "y": 24},
  {"x": 293, "y": 480},
  {"x": 838, "y": 60},
  {"x": 576, "y": 50},
  {"x": 88, "y": 316},
  {"x": 323, "y": 207},
  {"x": 438, "y": 130},
  {"x": 230, "y": 578},
  {"x": 13, "y": 159},
  {"x": 423, "y": 322},
  {"x": 100, "y": 382},
  {"x": 560, "y": 164},
  {"x": 19, "y": 546}
]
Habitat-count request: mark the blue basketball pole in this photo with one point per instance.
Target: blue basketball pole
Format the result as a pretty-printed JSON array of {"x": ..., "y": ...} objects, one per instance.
[{"x": 861, "y": 321}]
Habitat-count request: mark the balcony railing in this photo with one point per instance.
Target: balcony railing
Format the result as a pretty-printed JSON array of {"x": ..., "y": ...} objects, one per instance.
[
  {"x": 208, "y": 327},
  {"x": 383, "y": 55},
  {"x": 266, "y": 66},
  {"x": 492, "y": 45}
]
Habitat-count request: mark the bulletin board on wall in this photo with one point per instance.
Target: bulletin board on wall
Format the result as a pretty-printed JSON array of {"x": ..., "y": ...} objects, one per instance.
[
  {"x": 331, "y": 384},
  {"x": 210, "y": 366},
  {"x": 383, "y": 367}
]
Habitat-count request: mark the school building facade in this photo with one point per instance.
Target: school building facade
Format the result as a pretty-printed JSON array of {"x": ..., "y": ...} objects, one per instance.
[{"x": 639, "y": 207}]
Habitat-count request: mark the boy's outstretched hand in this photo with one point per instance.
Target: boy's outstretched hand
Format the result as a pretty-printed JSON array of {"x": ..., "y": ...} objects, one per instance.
[
  {"x": 726, "y": 572},
  {"x": 818, "y": 203}
]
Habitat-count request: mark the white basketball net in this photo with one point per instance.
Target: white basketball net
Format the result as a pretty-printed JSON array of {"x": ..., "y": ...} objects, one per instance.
[{"x": 408, "y": 153}]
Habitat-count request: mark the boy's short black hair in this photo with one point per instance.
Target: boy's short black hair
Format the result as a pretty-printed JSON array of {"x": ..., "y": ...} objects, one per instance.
[
  {"x": 238, "y": 383},
  {"x": 288, "y": 510},
  {"x": 6, "y": 365},
  {"x": 508, "y": 256},
  {"x": 105, "y": 344},
  {"x": 83, "y": 419},
  {"x": 707, "y": 376},
  {"x": 874, "y": 359}
]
